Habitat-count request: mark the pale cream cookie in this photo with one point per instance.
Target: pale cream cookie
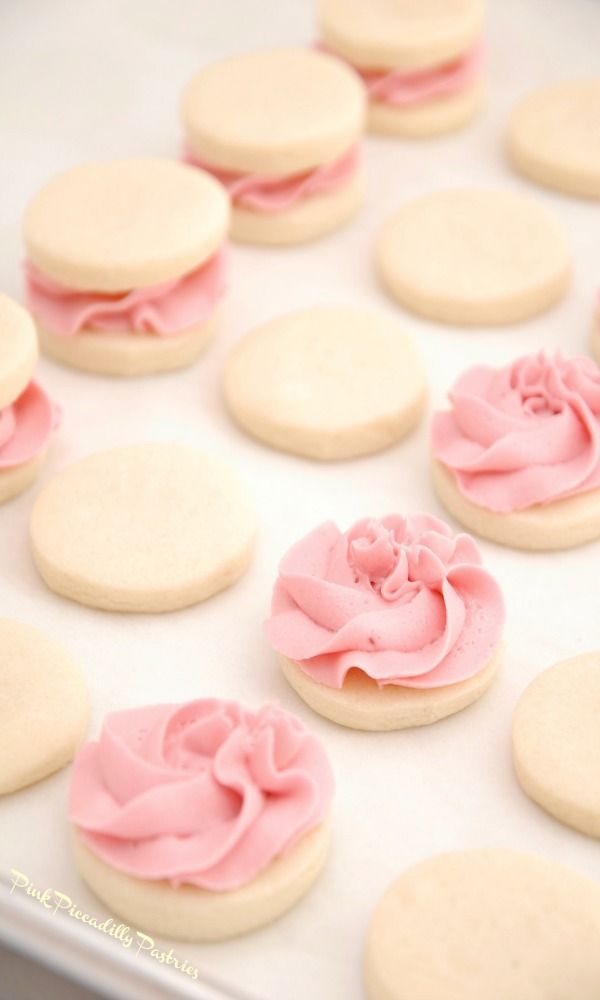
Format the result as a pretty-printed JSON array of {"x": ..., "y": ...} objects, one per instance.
[
  {"x": 43, "y": 706},
  {"x": 556, "y": 742},
  {"x": 18, "y": 350},
  {"x": 126, "y": 264},
  {"x": 491, "y": 923},
  {"x": 189, "y": 913},
  {"x": 421, "y": 60},
  {"x": 561, "y": 524},
  {"x": 474, "y": 256},
  {"x": 293, "y": 173},
  {"x": 149, "y": 527},
  {"x": 329, "y": 382},
  {"x": 554, "y": 136}
]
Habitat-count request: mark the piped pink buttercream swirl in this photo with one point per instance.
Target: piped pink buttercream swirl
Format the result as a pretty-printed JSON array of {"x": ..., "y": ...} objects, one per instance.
[
  {"x": 269, "y": 193},
  {"x": 404, "y": 89},
  {"x": 26, "y": 426},
  {"x": 204, "y": 793},
  {"x": 525, "y": 434},
  {"x": 402, "y": 599},
  {"x": 166, "y": 309}
]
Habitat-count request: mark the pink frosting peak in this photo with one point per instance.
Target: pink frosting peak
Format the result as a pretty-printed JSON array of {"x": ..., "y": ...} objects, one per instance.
[
  {"x": 402, "y": 599},
  {"x": 271, "y": 193},
  {"x": 165, "y": 309},
  {"x": 26, "y": 426},
  {"x": 204, "y": 793},
  {"x": 525, "y": 434}
]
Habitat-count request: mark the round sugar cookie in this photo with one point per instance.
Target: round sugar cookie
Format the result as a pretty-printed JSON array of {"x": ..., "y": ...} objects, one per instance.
[
  {"x": 189, "y": 913},
  {"x": 361, "y": 704},
  {"x": 556, "y": 742},
  {"x": 431, "y": 117},
  {"x": 554, "y": 136},
  {"x": 329, "y": 382},
  {"x": 43, "y": 706},
  {"x": 493, "y": 924},
  {"x": 411, "y": 34},
  {"x": 562, "y": 524},
  {"x": 129, "y": 353},
  {"x": 474, "y": 256},
  {"x": 273, "y": 111},
  {"x": 305, "y": 220},
  {"x": 146, "y": 527},
  {"x": 18, "y": 350},
  {"x": 118, "y": 225}
]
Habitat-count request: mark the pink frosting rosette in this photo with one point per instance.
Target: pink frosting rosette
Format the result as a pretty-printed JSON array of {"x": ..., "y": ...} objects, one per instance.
[
  {"x": 165, "y": 309},
  {"x": 204, "y": 793},
  {"x": 402, "y": 599},
  {"x": 271, "y": 193},
  {"x": 26, "y": 426},
  {"x": 525, "y": 434}
]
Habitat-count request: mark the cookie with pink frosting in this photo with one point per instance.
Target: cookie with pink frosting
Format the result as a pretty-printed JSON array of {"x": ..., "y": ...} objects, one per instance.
[
  {"x": 516, "y": 458},
  {"x": 27, "y": 414},
  {"x": 126, "y": 265},
  {"x": 421, "y": 61},
  {"x": 390, "y": 624},
  {"x": 281, "y": 130},
  {"x": 203, "y": 820}
]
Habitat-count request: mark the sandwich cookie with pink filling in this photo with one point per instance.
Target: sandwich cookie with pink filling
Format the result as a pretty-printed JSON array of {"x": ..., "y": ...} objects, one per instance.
[
  {"x": 126, "y": 265},
  {"x": 281, "y": 130},
  {"x": 203, "y": 820},
  {"x": 421, "y": 61},
  {"x": 391, "y": 624},
  {"x": 27, "y": 414},
  {"x": 516, "y": 458}
]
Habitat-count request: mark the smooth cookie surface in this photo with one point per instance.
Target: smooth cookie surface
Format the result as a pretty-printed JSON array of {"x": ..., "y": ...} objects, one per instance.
[
  {"x": 149, "y": 527},
  {"x": 330, "y": 382}
]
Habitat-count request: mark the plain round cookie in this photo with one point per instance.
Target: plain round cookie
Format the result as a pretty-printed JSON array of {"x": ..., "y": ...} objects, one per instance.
[
  {"x": 426, "y": 118},
  {"x": 132, "y": 354},
  {"x": 556, "y": 742},
  {"x": 485, "y": 925},
  {"x": 146, "y": 527},
  {"x": 474, "y": 256},
  {"x": 117, "y": 225},
  {"x": 274, "y": 111},
  {"x": 554, "y": 137},
  {"x": 361, "y": 704},
  {"x": 307, "y": 219},
  {"x": 44, "y": 706},
  {"x": 407, "y": 35},
  {"x": 18, "y": 350},
  {"x": 562, "y": 524},
  {"x": 189, "y": 913},
  {"x": 329, "y": 382}
]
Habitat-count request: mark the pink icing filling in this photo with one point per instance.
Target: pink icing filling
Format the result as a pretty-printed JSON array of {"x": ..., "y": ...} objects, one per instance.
[
  {"x": 203, "y": 793},
  {"x": 26, "y": 426},
  {"x": 402, "y": 599},
  {"x": 403, "y": 89},
  {"x": 525, "y": 434},
  {"x": 166, "y": 309},
  {"x": 268, "y": 193}
]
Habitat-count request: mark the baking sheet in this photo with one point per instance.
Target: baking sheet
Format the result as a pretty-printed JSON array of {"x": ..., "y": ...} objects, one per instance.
[{"x": 81, "y": 81}]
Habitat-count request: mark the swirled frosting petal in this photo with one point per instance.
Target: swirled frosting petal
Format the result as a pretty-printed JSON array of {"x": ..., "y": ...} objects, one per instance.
[
  {"x": 525, "y": 434},
  {"x": 268, "y": 193},
  {"x": 165, "y": 310},
  {"x": 403, "y": 89},
  {"x": 26, "y": 426},
  {"x": 403, "y": 600},
  {"x": 203, "y": 793}
]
